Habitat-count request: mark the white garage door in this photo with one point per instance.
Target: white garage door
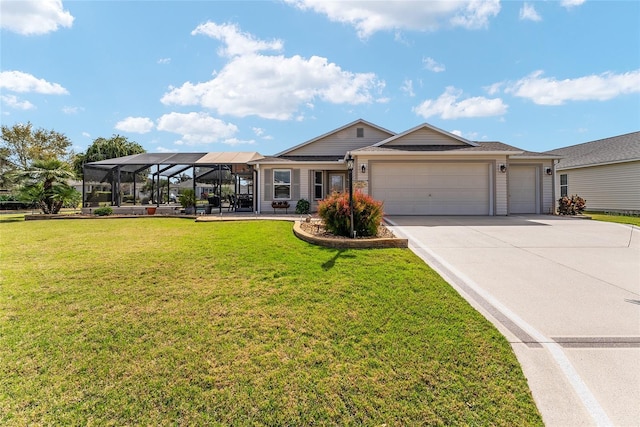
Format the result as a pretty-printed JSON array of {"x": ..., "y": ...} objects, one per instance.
[
  {"x": 432, "y": 188},
  {"x": 523, "y": 197}
]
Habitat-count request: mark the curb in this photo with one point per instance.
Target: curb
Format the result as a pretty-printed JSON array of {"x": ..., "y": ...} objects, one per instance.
[{"x": 374, "y": 243}]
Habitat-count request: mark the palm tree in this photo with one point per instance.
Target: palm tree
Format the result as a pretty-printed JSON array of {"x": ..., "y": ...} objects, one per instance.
[{"x": 45, "y": 184}]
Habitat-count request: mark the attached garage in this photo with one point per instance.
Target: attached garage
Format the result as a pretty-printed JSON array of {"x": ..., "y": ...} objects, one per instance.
[
  {"x": 433, "y": 188},
  {"x": 524, "y": 195}
]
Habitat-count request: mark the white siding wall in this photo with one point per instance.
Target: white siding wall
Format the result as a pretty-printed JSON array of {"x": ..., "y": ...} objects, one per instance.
[
  {"x": 425, "y": 136},
  {"x": 501, "y": 187},
  {"x": 613, "y": 187},
  {"x": 306, "y": 189},
  {"x": 337, "y": 144},
  {"x": 548, "y": 198}
]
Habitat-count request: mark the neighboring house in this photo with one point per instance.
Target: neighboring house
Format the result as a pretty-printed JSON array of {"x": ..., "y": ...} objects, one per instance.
[
  {"x": 606, "y": 173},
  {"x": 422, "y": 171}
]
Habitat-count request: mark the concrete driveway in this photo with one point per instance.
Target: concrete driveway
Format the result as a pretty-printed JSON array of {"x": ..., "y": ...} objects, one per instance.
[{"x": 566, "y": 294}]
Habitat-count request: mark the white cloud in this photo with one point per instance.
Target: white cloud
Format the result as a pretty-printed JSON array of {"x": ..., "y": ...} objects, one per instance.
[
  {"x": 529, "y": 13},
  {"x": 447, "y": 106},
  {"x": 407, "y": 87},
  {"x": 86, "y": 134},
  {"x": 164, "y": 61},
  {"x": 471, "y": 136},
  {"x": 494, "y": 88},
  {"x": 196, "y": 128},
  {"x": 33, "y": 17},
  {"x": 161, "y": 149},
  {"x": 235, "y": 141},
  {"x": 476, "y": 14},
  {"x": 71, "y": 110},
  {"x": 549, "y": 91},
  {"x": 17, "y": 81},
  {"x": 135, "y": 125},
  {"x": 274, "y": 87},
  {"x": 571, "y": 3},
  {"x": 431, "y": 65},
  {"x": 237, "y": 43},
  {"x": 14, "y": 102},
  {"x": 371, "y": 17}
]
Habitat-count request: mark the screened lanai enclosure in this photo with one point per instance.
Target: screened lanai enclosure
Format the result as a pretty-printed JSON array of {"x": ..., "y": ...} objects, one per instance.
[{"x": 220, "y": 181}]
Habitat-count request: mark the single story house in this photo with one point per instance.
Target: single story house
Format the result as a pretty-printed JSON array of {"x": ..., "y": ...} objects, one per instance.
[
  {"x": 422, "y": 171},
  {"x": 605, "y": 172}
]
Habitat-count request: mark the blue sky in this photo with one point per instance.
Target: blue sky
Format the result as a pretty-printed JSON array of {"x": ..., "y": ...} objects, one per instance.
[{"x": 198, "y": 76}]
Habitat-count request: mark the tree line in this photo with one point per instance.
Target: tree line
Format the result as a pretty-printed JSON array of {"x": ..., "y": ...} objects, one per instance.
[{"x": 37, "y": 165}]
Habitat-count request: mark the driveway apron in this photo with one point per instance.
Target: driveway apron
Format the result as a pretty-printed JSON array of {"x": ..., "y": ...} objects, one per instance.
[{"x": 565, "y": 292}]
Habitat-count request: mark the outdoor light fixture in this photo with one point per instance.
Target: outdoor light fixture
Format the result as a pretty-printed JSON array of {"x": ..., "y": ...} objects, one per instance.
[
  {"x": 363, "y": 168},
  {"x": 548, "y": 171},
  {"x": 350, "y": 162},
  {"x": 503, "y": 168}
]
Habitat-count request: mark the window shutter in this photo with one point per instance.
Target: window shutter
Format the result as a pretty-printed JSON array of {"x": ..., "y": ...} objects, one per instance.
[
  {"x": 295, "y": 184},
  {"x": 268, "y": 182}
]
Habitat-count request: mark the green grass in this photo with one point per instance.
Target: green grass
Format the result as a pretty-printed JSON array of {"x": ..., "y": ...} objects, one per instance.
[
  {"x": 158, "y": 321},
  {"x": 622, "y": 219}
]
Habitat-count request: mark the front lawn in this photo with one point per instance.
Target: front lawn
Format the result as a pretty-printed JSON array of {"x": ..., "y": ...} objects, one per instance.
[
  {"x": 158, "y": 321},
  {"x": 622, "y": 219}
]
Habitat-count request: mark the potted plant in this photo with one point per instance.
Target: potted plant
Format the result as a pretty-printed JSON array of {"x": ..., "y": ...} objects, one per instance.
[{"x": 187, "y": 199}]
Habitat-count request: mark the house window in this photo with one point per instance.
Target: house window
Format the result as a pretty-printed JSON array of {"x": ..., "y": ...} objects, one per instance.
[
  {"x": 564, "y": 185},
  {"x": 317, "y": 185},
  {"x": 359, "y": 132},
  {"x": 336, "y": 182},
  {"x": 282, "y": 184}
]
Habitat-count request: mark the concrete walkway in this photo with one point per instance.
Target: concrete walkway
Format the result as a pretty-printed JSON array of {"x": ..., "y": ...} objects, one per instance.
[{"x": 566, "y": 294}]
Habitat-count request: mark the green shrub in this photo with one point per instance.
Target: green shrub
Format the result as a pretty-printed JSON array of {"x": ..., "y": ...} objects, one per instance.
[
  {"x": 367, "y": 214},
  {"x": 103, "y": 211},
  {"x": 303, "y": 206},
  {"x": 573, "y": 205},
  {"x": 187, "y": 198}
]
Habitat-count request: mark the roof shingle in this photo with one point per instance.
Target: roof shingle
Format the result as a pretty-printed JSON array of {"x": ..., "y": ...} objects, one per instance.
[{"x": 616, "y": 149}]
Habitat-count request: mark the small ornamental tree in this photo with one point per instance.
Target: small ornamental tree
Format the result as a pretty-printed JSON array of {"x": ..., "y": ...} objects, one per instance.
[{"x": 367, "y": 214}]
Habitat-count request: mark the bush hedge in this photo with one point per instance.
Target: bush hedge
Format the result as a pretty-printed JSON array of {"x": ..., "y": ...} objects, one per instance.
[
  {"x": 367, "y": 214},
  {"x": 573, "y": 205}
]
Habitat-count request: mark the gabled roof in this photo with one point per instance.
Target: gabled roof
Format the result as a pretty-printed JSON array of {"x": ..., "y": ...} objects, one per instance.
[
  {"x": 478, "y": 147},
  {"x": 617, "y": 149},
  {"x": 427, "y": 126},
  {"x": 348, "y": 125}
]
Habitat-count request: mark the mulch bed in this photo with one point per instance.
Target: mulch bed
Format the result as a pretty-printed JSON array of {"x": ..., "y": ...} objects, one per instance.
[{"x": 315, "y": 227}]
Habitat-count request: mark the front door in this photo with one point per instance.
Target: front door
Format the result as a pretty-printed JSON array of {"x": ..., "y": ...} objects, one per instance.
[{"x": 336, "y": 182}]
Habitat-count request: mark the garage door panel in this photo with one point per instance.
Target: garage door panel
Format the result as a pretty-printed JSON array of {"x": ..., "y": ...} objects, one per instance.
[
  {"x": 522, "y": 190},
  {"x": 432, "y": 188}
]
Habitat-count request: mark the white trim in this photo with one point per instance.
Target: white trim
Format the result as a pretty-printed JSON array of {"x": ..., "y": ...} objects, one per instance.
[
  {"x": 290, "y": 184},
  {"x": 433, "y": 153}
]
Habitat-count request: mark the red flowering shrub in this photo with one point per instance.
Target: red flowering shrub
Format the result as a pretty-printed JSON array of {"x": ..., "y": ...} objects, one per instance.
[
  {"x": 367, "y": 214},
  {"x": 573, "y": 205}
]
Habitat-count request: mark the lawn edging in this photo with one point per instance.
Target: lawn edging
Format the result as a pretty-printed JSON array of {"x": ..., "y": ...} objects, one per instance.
[{"x": 345, "y": 243}]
